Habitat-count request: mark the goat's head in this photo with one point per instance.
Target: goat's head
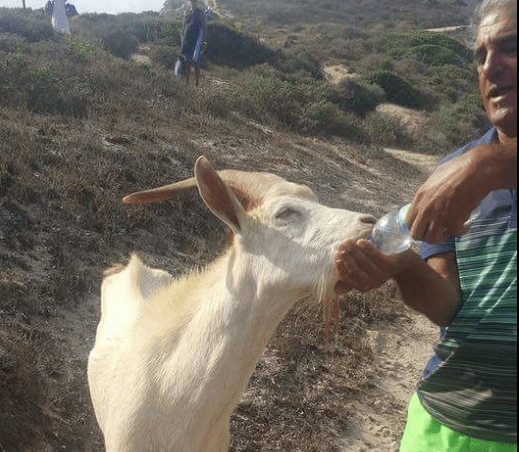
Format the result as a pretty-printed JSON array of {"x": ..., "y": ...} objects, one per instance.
[{"x": 280, "y": 222}]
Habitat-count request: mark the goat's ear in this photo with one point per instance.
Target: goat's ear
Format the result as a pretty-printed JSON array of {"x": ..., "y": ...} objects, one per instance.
[{"x": 218, "y": 196}]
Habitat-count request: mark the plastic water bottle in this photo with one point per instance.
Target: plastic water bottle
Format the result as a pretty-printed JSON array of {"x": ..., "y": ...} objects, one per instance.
[{"x": 391, "y": 235}]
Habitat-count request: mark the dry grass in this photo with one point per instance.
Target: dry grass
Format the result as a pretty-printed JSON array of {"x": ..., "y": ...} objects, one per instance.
[
  {"x": 63, "y": 224},
  {"x": 62, "y": 176}
]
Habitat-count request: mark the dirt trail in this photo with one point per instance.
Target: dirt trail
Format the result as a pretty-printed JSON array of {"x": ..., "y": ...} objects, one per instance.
[{"x": 401, "y": 350}]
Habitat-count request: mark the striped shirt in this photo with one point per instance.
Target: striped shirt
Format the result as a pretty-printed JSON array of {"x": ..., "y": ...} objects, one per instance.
[{"x": 470, "y": 385}]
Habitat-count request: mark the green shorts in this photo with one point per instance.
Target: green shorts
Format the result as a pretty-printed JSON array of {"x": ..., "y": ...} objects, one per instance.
[{"x": 424, "y": 434}]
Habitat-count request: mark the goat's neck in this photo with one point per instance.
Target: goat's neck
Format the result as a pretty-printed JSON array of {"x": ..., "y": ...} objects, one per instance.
[
  {"x": 235, "y": 319},
  {"x": 244, "y": 307}
]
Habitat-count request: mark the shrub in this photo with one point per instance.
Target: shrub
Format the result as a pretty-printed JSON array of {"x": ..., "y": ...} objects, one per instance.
[
  {"x": 265, "y": 95},
  {"x": 99, "y": 26},
  {"x": 13, "y": 69},
  {"x": 121, "y": 44},
  {"x": 357, "y": 98},
  {"x": 229, "y": 47},
  {"x": 165, "y": 56},
  {"x": 434, "y": 55},
  {"x": 324, "y": 117},
  {"x": 428, "y": 47},
  {"x": 12, "y": 43},
  {"x": 398, "y": 90},
  {"x": 383, "y": 130},
  {"x": 295, "y": 101},
  {"x": 453, "y": 81},
  {"x": 167, "y": 33},
  {"x": 46, "y": 93},
  {"x": 301, "y": 61},
  {"x": 33, "y": 27},
  {"x": 453, "y": 125}
]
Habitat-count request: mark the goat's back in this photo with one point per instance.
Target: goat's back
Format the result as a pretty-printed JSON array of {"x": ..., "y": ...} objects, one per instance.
[
  {"x": 125, "y": 292},
  {"x": 143, "y": 313}
]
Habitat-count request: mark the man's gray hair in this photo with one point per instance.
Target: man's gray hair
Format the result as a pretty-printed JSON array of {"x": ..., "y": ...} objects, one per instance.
[{"x": 488, "y": 7}]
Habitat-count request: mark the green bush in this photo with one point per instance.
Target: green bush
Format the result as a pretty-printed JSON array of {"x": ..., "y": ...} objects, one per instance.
[
  {"x": 398, "y": 90},
  {"x": 230, "y": 47},
  {"x": 167, "y": 33},
  {"x": 295, "y": 101},
  {"x": 453, "y": 81},
  {"x": 165, "y": 56},
  {"x": 428, "y": 47},
  {"x": 453, "y": 125},
  {"x": 99, "y": 26},
  {"x": 434, "y": 55},
  {"x": 32, "y": 26},
  {"x": 357, "y": 98},
  {"x": 47, "y": 93},
  {"x": 12, "y": 43},
  {"x": 301, "y": 61},
  {"x": 121, "y": 44},
  {"x": 13, "y": 70},
  {"x": 267, "y": 96},
  {"x": 323, "y": 117}
]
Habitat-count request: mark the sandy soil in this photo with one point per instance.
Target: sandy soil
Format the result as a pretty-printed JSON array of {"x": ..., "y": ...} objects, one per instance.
[
  {"x": 337, "y": 73},
  {"x": 401, "y": 350}
]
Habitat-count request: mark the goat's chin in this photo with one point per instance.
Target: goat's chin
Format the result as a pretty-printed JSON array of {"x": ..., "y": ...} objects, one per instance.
[{"x": 324, "y": 288}]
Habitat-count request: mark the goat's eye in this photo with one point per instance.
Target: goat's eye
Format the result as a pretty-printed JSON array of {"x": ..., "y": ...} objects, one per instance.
[{"x": 286, "y": 214}]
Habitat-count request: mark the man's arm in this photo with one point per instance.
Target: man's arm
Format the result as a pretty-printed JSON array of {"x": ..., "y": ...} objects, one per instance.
[
  {"x": 444, "y": 203},
  {"x": 431, "y": 288}
]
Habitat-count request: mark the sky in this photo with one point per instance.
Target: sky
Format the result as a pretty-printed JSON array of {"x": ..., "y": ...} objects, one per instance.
[{"x": 95, "y": 6}]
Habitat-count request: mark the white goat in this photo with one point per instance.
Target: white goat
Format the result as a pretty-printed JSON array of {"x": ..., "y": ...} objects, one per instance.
[{"x": 173, "y": 356}]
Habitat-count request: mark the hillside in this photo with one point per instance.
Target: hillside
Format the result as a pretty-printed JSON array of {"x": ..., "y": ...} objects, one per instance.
[
  {"x": 421, "y": 14},
  {"x": 81, "y": 127}
]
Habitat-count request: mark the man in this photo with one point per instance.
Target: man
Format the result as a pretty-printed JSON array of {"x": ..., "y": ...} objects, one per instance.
[
  {"x": 194, "y": 33},
  {"x": 467, "y": 284}
]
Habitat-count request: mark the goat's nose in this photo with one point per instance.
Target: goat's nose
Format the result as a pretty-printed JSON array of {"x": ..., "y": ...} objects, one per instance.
[{"x": 368, "y": 219}]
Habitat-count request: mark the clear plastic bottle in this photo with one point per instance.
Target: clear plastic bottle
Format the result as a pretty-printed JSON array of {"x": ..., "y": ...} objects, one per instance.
[{"x": 391, "y": 235}]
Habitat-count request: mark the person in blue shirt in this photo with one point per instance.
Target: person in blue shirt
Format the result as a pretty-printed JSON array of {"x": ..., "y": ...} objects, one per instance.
[
  {"x": 465, "y": 282},
  {"x": 194, "y": 33}
]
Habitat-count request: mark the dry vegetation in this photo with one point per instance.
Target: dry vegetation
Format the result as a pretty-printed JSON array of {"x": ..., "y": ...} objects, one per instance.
[{"x": 80, "y": 128}]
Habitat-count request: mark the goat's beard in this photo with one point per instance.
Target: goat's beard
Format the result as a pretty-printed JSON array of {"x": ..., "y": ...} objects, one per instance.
[{"x": 331, "y": 303}]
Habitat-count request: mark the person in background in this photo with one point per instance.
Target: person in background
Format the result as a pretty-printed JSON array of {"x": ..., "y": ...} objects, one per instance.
[
  {"x": 194, "y": 33},
  {"x": 58, "y": 13},
  {"x": 465, "y": 282}
]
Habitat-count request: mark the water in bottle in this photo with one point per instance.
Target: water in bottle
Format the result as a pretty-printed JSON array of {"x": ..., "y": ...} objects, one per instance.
[{"x": 391, "y": 235}]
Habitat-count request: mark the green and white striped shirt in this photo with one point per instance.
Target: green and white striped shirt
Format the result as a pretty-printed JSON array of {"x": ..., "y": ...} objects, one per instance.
[{"x": 471, "y": 384}]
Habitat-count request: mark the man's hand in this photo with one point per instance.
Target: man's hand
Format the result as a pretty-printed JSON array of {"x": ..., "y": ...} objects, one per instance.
[
  {"x": 359, "y": 265},
  {"x": 445, "y": 201},
  {"x": 431, "y": 287}
]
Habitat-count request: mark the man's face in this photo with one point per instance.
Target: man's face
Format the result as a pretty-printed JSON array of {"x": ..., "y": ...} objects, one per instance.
[{"x": 496, "y": 59}]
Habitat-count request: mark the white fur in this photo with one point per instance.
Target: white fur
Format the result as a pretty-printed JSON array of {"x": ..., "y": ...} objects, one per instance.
[{"x": 173, "y": 356}]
